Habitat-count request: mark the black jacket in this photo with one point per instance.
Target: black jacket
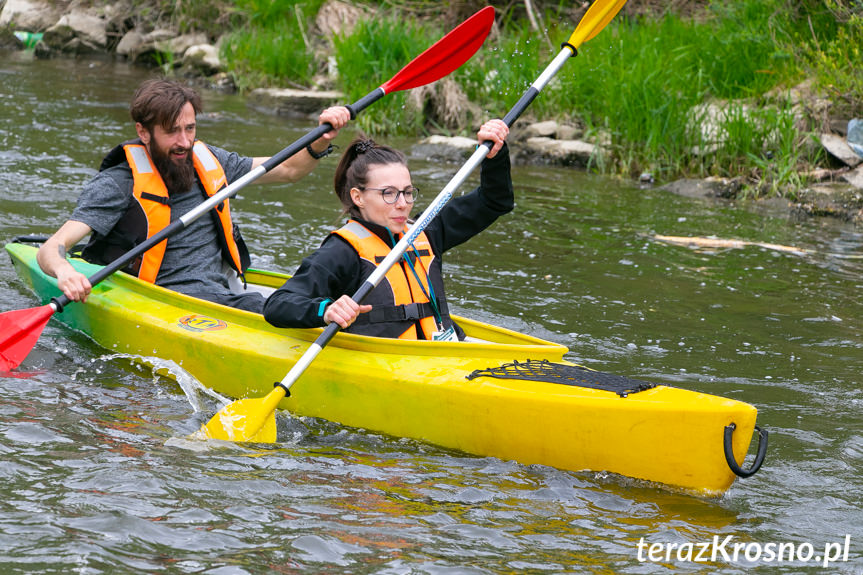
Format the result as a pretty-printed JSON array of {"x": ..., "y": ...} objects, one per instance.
[{"x": 334, "y": 269}]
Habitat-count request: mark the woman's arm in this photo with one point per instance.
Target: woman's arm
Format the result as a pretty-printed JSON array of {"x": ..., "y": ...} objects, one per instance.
[
  {"x": 466, "y": 216},
  {"x": 330, "y": 272}
]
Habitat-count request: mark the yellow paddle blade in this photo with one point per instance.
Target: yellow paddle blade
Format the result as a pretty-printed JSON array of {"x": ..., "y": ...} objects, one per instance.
[
  {"x": 597, "y": 17},
  {"x": 251, "y": 420}
]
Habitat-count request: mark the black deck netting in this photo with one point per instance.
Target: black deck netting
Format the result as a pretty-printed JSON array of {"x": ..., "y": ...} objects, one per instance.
[{"x": 544, "y": 370}]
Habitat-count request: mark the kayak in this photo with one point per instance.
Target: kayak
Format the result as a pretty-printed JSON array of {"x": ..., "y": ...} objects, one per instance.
[{"x": 500, "y": 393}]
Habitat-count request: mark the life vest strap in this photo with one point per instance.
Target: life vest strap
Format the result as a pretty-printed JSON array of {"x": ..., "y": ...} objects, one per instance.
[
  {"x": 410, "y": 255},
  {"x": 391, "y": 313},
  {"x": 164, "y": 200}
]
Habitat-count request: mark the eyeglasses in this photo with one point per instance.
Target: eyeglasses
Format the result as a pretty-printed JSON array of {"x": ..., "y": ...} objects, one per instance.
[{"x": 390, "y": 194}]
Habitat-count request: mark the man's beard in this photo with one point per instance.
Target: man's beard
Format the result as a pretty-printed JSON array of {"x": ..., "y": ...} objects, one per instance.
[{"x": 178, "y": 177}]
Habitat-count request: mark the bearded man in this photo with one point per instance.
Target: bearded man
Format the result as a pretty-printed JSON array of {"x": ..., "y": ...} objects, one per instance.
[{"x": 146, "y": 183}]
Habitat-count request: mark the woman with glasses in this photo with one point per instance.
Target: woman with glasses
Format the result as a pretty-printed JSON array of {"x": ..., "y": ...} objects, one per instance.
[{"x": 374, "y": 185}]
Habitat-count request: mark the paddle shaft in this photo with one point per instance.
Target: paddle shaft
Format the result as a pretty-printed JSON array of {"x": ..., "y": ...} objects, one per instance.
[
  {"x": 228, "y": 192},
  {"x": 595, "y": 18}
]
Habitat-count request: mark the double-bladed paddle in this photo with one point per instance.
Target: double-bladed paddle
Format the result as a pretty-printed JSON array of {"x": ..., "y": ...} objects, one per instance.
[
  {"x": 254, "y": 419},
  {"x": 20, "y": 329}
]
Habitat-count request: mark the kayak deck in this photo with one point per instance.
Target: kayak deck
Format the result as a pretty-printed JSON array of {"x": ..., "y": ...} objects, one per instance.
[{"x": 419, "y": 389}]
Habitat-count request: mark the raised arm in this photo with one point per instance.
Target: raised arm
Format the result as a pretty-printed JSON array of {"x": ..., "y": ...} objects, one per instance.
[
  {"x": 495, "y": 131},
  {"x": 294, "y": 168}
]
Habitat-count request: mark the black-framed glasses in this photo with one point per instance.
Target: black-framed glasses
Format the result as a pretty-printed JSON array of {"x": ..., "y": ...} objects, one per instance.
[{"x": 390, "y": 194}]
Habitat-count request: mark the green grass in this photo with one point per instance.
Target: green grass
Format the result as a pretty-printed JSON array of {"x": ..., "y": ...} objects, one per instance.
[
  {"x": 373, "y": 53},
  {"x": 834, "y": 55},
  {"x": 503, "y": 69},
  {"x": 637, "y": 85},
  {"x": 273, "y": 46},
  {"x": 645, "y": 79}
]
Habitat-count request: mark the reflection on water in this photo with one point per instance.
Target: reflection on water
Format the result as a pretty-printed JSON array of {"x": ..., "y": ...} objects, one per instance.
[{"x": 98, "y": 476}]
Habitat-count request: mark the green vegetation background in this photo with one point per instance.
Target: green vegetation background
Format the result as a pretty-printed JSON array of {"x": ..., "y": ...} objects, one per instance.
[{"x": 636, "y": 87}]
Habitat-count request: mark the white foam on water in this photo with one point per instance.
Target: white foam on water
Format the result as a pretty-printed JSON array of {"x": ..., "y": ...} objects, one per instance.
[{"x": 192, "y": 388}]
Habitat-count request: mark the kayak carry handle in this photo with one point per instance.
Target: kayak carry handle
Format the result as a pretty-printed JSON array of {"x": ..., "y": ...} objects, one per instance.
[{"x": 759, "y": 456}]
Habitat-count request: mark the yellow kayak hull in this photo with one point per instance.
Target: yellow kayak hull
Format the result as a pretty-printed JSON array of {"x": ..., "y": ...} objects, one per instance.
[{"x": 418, "y": 389}]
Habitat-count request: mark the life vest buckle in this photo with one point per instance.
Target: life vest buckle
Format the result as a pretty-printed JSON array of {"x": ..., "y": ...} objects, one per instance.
[{"x": 412, "y": 311}]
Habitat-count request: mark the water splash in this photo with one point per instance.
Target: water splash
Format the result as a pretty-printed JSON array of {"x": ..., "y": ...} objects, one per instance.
[{"x": 192, "y": 388}]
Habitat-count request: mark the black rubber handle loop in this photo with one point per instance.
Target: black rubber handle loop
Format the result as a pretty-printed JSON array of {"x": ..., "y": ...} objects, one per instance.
[{"x": 759, "y": 456}]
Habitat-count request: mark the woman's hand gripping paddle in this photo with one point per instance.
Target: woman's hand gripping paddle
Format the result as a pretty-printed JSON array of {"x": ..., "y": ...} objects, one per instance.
[
  {"x": 254, "y": 419},
  {"x": 19, "y": 330}
]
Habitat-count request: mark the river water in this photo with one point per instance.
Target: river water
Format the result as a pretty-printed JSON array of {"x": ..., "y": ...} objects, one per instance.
[{"x": 96, "y": 476}]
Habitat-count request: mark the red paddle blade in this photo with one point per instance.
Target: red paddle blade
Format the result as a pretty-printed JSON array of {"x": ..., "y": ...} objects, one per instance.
[
  {"x": 19, "y": 331},
  {"x": 445, "y": 55}
]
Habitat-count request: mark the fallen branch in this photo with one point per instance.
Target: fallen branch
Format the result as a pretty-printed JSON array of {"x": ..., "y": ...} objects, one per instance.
[
  {"x": 701, "y": 243},
  {"x": 719, "y": 243}
]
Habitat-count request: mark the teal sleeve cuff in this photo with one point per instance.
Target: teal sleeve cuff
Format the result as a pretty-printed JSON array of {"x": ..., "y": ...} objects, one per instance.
[{"x": 323, "y": 306}]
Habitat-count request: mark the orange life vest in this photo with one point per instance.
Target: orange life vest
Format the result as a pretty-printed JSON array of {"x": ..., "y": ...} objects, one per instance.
[
  {"x": 399, "y": 302},
  {"x": 150, "y": 192}
]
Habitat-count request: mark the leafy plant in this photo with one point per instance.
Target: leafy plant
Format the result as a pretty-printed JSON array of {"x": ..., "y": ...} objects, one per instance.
[
  {"x": 272, "y": 45},
  {"x": 374, "y": 51}
]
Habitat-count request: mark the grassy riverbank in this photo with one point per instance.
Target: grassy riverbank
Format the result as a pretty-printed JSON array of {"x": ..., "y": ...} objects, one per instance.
[{"x": 641, "y": 87}]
